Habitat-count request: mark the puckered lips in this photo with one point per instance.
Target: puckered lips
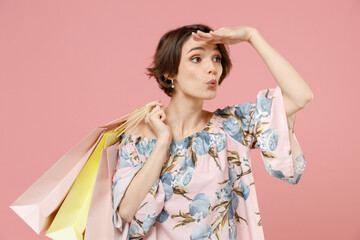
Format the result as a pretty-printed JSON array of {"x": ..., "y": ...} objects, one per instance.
[{"x": 212, "y": 83}]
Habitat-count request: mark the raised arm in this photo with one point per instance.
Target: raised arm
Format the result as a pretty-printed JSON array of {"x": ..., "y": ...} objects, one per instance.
[{"x": 296, "y": 93}]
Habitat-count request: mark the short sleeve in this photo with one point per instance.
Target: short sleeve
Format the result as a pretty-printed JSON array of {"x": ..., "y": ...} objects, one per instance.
[
  {"x": 128, "y": 165},
  {"x": 273, "y": 133}
]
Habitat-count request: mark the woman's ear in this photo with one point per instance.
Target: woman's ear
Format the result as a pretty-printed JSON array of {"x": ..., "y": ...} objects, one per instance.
[{"x": 166, "y": 76}]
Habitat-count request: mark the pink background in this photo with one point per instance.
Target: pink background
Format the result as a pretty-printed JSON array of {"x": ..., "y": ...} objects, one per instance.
[{"x": 69, "y": 66}]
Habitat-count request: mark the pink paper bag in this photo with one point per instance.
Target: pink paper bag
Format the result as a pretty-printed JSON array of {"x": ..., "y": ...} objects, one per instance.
[
  {"x": 99, "y": 222},
  {"x": 38, "y": 205}
]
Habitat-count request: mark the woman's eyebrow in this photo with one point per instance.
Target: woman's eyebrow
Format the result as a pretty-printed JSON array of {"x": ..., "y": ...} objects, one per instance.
[{"x": 201, "y": 48}]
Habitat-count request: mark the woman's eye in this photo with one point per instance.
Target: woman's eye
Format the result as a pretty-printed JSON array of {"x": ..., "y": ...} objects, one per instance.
[
  {"x": 219, "y": 58},
  {"x": 194, "y": 58}
]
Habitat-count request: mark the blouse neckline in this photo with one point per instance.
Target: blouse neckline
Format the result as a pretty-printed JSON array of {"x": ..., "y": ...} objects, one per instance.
[{"x": 135, "y": 136}]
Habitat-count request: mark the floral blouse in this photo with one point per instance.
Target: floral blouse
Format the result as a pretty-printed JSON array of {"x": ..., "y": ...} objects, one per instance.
[{"x": 206, "y": 188}]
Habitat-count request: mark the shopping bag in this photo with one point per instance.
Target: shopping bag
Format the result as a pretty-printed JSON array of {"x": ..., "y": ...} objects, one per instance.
[
  {"x": 70, "y": 221},
  {"x": 99, "y": 222},
  {"x": 38, "y": 205}
]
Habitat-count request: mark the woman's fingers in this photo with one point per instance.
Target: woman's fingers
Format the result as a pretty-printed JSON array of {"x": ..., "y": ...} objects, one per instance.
[
  {"x": 155, "y": 107},
  {"x": 162, "y": 115},
  {"x": 153, "y": 103},
  {"x": 211, "y": 37},
  {"x": 156, "y": 111}
]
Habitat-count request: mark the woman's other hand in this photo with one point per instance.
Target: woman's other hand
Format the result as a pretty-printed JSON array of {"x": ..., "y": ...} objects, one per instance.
[
  {"x": 155, "y": 119},
  {"x": 226, "y": 35}
]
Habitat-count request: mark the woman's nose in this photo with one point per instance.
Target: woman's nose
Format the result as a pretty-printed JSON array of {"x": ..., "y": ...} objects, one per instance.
[{"x": 212, "y": 66}]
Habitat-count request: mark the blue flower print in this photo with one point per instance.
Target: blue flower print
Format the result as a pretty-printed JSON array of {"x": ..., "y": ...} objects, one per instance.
[
  {"x": 125, "y": 160},
  {"x": 219, "y": 140},
  {"x": 233, "y": 206},
  {"x": 181, "y": 177},
  {"x": 166, "y": 179},
  {"x": 227, "y": 191},
  {"x": 232, "y": 173},
  {"x": 274, "y": 173},
  {"x": 145, "y": 148},
  {"x": 199, "y": 207},
  {"x": 299, "y": 163},
  {"x": 133, "y": 230},
  {"x": 244, "y": 188},
  {"x": 201, "y": 232},
  {"x": 268, "y": 140},
  {"x": 163, "y": 216},
  {"x": 178, "y": 146},
  {"x": 299, "y": 166},
  {"x": 242, "y": 111},
  {"x": 186, "y": 162},
  {"x": 279, "y": 174},
  {"x": 149, "y": 221},
  {"x": 262, "y": 107},
  {"x": 186, "y": 177},
  {"x": 201, "y": 143},
  {"x": 232, "y": 229},
  {"x": 168, "y": 192},
  {"x": 232, "y": 127},
  {"x": 224, "y": 193}
]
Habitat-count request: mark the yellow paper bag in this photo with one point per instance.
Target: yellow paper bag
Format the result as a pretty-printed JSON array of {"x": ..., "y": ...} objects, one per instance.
[{"x": 70, "y": 221}]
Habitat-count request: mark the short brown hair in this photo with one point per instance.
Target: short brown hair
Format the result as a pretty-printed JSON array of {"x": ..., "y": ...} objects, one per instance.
[{"x": 168, "y": 54}]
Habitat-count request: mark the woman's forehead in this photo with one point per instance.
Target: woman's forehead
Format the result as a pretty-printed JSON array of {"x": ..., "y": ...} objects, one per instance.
[{"x": 192, "y": 45}]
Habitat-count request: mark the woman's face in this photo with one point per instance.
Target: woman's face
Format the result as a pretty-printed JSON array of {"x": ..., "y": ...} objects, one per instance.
[{"x": 199, "y": 63}]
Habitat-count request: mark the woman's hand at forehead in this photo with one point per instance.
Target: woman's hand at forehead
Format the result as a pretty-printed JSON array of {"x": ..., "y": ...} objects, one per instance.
[{"x": 226, "y": 35}]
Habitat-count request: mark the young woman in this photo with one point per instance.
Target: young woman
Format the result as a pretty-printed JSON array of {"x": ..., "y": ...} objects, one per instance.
[{"x": 185, "y": 173}]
